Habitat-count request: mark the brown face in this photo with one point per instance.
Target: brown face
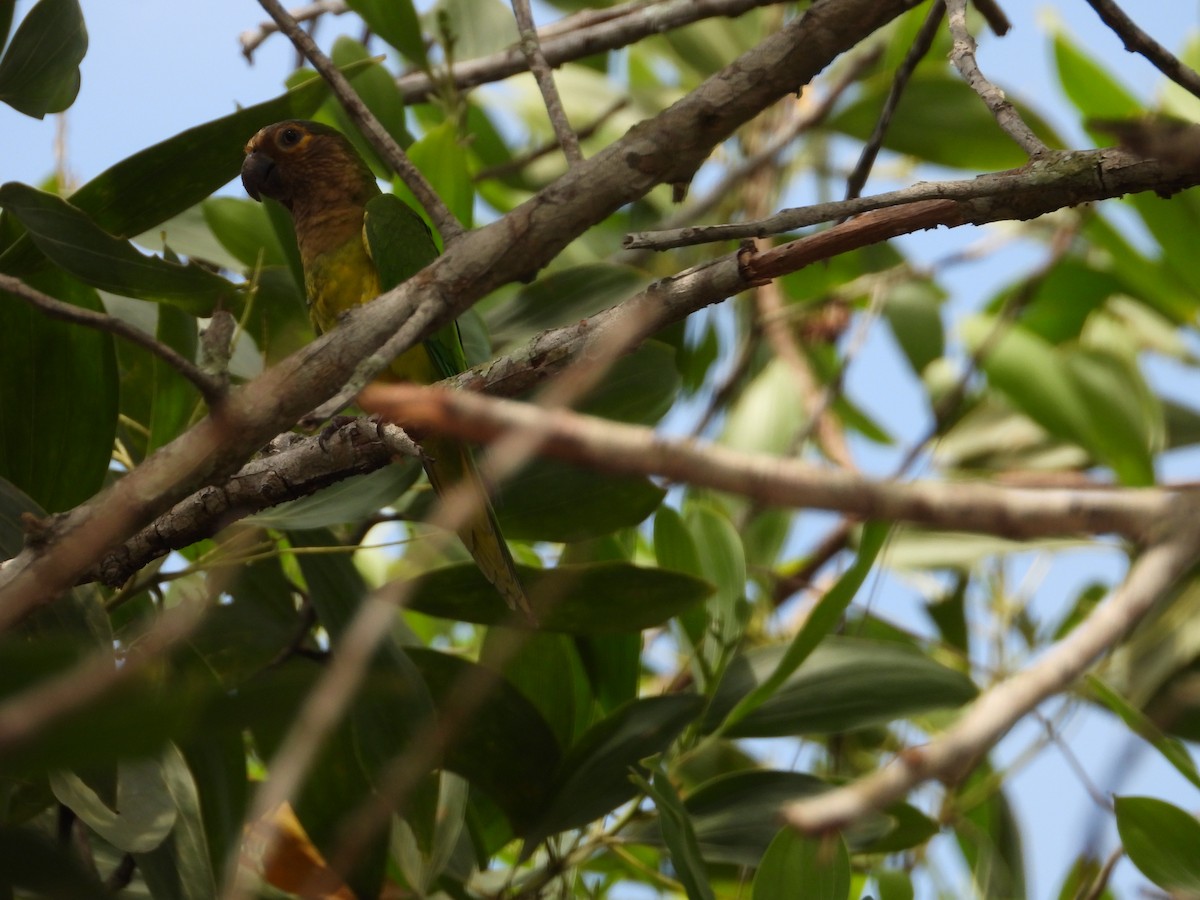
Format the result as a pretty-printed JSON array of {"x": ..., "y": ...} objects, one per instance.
[{"x": 262, "y": 174}]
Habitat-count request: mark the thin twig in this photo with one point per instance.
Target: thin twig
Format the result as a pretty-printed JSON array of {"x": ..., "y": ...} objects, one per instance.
[
  {"x": 252, "y": 38},
  {"x": 917, "y": 52},
  {"x": 963, "y": 57},
  {"x": 211, "y": 388},
  {"x": 1137, "y": 41},
  {"x": 584, "y": 34},
  {"x": 519, "y": 162},
  {"x": 991, "y": 716},
  {"x": 443, "y": 219},
  {"x": 536, "y": 61}
]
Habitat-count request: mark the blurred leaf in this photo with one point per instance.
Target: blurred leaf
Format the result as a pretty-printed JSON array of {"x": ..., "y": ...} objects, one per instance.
[
  {"x": 990, "y": 840},
  {"x": 594, "y": 598},
  {"x": 678, "y": 835},
  {"x": 180, "y": 866},
  {"x": 32, "y": 861},
  {"x": 846, "y": 684},
  {"x": 350, "y": 500},
  {"x": 723, "y": 562},
  {"x": 824, "y": 616},
  {"x": 1161, "y": 840},
  {"x": 639, "y": 387},
  {"x": 442, "y": 159},
  {"x": 504, "y": 748},
  {"x": 913, "y": 312},
  {"x": 244, "y": 229},
  {"x": 1164, "y": 218},
  {"x": 550, "y": 500},
  {"x": 768, "y": 413},
  {"x": 799, "y": 868},
  {"x": 39, "y": 73},
  {"x": 217, "y": 762},
  {"x": 1173, "y": 750},
  {"x": 561, "y": 297},
  {"x": 940, "y": 120},
  {"x": 74, "y": 242},
  {"x": 144, "y": 812},
  {"x": 1125, "y": 419},
  {"x": 175, "y": 398},
  {"x": 477, "y": 27},
  {"x": 736, "y": 816},
  {"x": 376, "y": 86},
  {"x": 673, "y": 545},
  {"x": 537, "y": 654},
  {"x": 49, "y": 424},
  {"x": 396, "y": 22},
  {"x": 593, "y": 778},
  {"x": 1063, "y": 300},
  {"x": 895, "y": 884},
  {"x": 1095, "y": 92}
]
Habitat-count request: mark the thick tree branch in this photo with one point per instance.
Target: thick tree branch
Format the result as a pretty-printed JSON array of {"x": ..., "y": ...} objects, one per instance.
[
  {"x": 1077, "y": 174},
  {"x": 980, "y": 508},
  {"x": 989, "y": 718}
]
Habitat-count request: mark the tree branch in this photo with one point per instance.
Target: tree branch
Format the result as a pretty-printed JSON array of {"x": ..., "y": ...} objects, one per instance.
[
  {"x": 990, "y": 717},
  {"x": 608, "y": 446},
  {"x": 1137, "y": 41},
  {"x": 536, "y": 60},
  {"x": 584, "y": 34},
  {"x": 963, "y": 57},
  {"x": 252, "y": 39}
]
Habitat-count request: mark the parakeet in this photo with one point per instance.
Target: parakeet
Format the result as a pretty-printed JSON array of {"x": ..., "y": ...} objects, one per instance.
[{"x": 356, "y": 242}]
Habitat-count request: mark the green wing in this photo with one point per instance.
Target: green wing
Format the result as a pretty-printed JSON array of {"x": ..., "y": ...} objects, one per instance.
[{"x": 401, "y": 245}]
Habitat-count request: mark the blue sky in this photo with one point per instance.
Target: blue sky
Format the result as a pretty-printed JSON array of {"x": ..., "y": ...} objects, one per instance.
[{"x": 156, "y": 67}]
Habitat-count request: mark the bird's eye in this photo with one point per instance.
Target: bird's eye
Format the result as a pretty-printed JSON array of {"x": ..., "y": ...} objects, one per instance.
[{"x": 289, "y": 137}]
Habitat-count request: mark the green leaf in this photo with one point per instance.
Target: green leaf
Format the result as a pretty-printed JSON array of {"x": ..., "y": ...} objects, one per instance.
[
  {"x": 563, "y": 296},
  {"x": 244, "y": 229},
  {"x": 736, "y": 816},
  {"x": 175, "y": 398},
  {"x": 376, "y": 87},
  {"x": 49, "y": 424},
  {"x": 846, "y": 684},
  {"x": 477, "y": 27},
  {"x": 144, "y": 812},
  {"x": 550, "y": 500},
  {"x": 442, "y": 159},
  {"x": 1161, "y": 840},
  {"x": 39, "y": 73},
  {"x": 505, "y": 747},
  {"x": 673, "y": 545},
  {"x": 396, "y": 22},
  {"x": 825, "y": 615},
  {"x": 723, "y": 562},
  {"x": 217, "y": 762},
  {"x": 593, "y": 779},
  {"x": 351, "y": 500},
  {"x": 639, "y": 388},
  {"x": 678, "y": 835},
  {"x": 940, "y": 120},
  {"x": 524, "y": 659},
  {"x": 594, "y": 598},
  {"x": 1125, "y": 420},
  {"x": 75, "y": 243},
  {"x": 799, "y": 868}
]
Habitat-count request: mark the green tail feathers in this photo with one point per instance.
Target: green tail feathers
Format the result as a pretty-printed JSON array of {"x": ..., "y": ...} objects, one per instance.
[{"x": 447, "y": 463}]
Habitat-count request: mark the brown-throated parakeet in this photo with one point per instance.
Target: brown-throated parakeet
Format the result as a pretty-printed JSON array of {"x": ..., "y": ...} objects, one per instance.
[{"x": 355, "y": 243}]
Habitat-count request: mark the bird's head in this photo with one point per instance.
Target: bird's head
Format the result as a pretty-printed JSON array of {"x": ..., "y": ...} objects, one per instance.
[{"x": 306, "y": 163}]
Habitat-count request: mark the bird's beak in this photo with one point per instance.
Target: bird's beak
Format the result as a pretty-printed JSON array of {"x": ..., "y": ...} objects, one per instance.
[{"x": 259, "y": 175}]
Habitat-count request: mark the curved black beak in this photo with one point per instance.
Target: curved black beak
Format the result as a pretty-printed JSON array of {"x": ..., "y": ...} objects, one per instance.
[{"x": 258, "y": 175}]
